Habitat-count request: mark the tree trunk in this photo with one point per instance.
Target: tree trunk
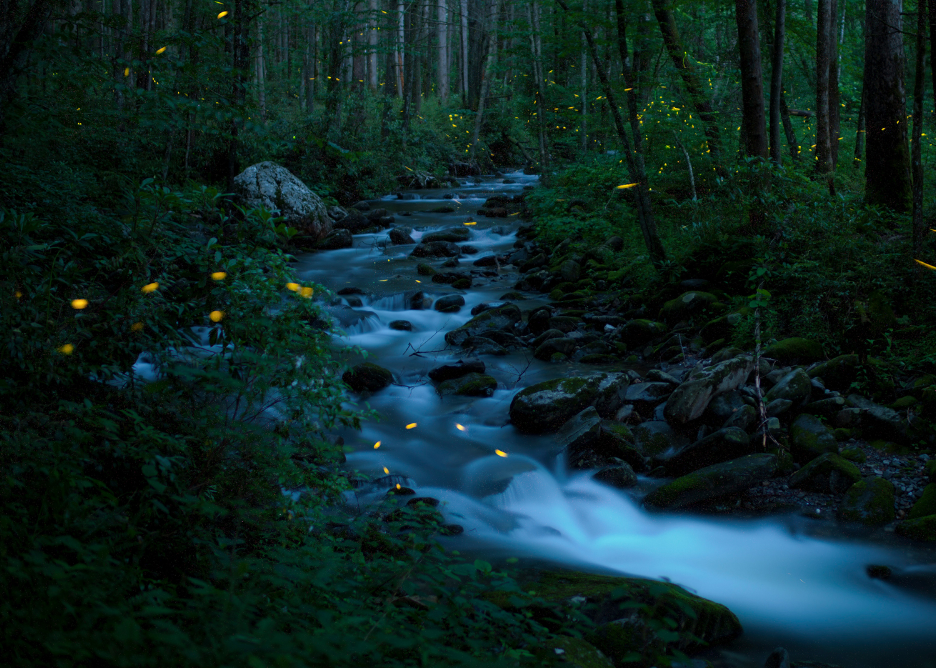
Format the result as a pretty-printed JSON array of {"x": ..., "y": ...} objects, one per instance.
[
  {"x": 887, "y": 157},
  {"x": 919, "y": 91},
  {"x": 835, "y": 107},
  {"x": 677, "y": 52},
  {"x": 261, "y": 70},
  {"x": 635, "y": 169},
  {"x": 823, "y": 38},
  {"x": 583, "y": 64},
  {"x": 444, "y": 64},
  {"x": 463, "y": 25},
  {"x": 536, "y": 46},
  {"x": 788, "y": 128},
  {"x": 776, "y": 82},
  {"x": 752, "y": 80},
  {"x": 860, "y": 134},
  {"x": 486, "y": 76}
]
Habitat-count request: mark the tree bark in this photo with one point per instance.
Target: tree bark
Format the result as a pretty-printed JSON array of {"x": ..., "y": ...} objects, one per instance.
[
  {"x": 752, "y": 80},
  {"x": 677, "y": 52},
  {"x": 540, "y": 84},
  {"x": 860, "y": 133},
  {"x": 788, "y": 128},
  {"x": 776, "y": 81},
  {"x": 887, "y": 156},
  {"x": 835, "y": 106},
  {"x": 823, "y": 37},
  {"x": 444, "y": 63},
  {"x": 919, "y": 91},
  {"x": 372, "y": 35}
]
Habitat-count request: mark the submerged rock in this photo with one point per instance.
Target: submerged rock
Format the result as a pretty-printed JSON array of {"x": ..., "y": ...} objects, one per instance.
[
  {"x": 436, "y": 249},
  {"x": 469, "y": 385},
  {"x": 451, "y": 234},
  {"x": 497, "y": 318},
  {"x": 367, "y": 376},
  {"x": 457, "y": 370}
]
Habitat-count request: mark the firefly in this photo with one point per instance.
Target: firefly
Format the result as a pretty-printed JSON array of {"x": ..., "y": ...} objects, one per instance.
[
  {"x": 500, "y": 453},
  {"x": 215, "y": 316},
  {"x": 222, "y": 15},
  {"x": 79, "y": 304},
  {"x": 136, "y": 327},
  {"x": 306, "y": 292},
  {"x": 151, "y": 287},
  {"x": 218, "y": 276},
  {"x": 411, "y": 425},
  {"x": 376, "y": 445},
  {"x": 158, "y": 51},
  {"x": 292, "y": 286},
  {"x": 67, "y": 349}
]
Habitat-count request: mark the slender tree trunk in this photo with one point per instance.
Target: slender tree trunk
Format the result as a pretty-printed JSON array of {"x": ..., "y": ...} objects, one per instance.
[
  {"x": 684, "y": 65},
  {"x": 261, "y": 70},
  {"x": 583, "y": 64},
  {"x": 788, "y": 128},
  {"x": 442, "y": 31},
  {"x": 823, "y": 39},
  {"x": 835, "y": 107},
  {"x": 487, "y": 75},
  {"x": 887, "y": 156},
  {"x": 635, "y": 168},
  {"x": 536, "y": 46},
  {"x": 776, "y": 82},
  {"x": 860, "y": 134},
  {"x": 919, "y": 91},
  {"x": 401, "y": 50},
  {"x": 752, "y": 80},
  {"x": 464, "y": 51}
]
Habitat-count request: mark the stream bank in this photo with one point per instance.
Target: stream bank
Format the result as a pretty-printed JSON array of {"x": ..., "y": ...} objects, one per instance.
[{"x": 792, "y": 581}]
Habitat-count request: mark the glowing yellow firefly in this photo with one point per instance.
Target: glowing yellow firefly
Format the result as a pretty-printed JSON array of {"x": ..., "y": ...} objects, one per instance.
[
  {"x": 158, "y": 51},
  {"x": 218, "y": 276},
  {"x": 411, "y": 425},
  {"x": 625, "y": 186},
  {"x": 376, "y": 445},
  {"x": 222, "y": 15},
  {"x": 151, "y": 287},
  {"x": 292, "y": 286},
  {"x": 306, "y": 292},
  {"x": 928, "y": 266},
  {"x": 67, "y": 349},
  {"x": 79, "y": 304},
  {"x": 459, "y": 427},
  {"x": 136, "y": 327},
  {"x": 500, "y": 453},
  {"x": 216, "y": 316},
  {"x": 386, "y": 470}
]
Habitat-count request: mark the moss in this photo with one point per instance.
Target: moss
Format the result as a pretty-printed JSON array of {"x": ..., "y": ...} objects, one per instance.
[
  {"x": 853, "y": 453},
  {"x": 424, "y": 269},
  {"x": 926, "y": 504},
  {"x": 462, "y": 284},
  {"x": 794, "y": 350},
  {"x": 904, "y": 402},
  {"x": 922, "y": 528},
  {"x": 623, "y": 431},
  {"x": 556, "y": 294},
  {"x": 869, "y": 502},
  {"x": 930, "y": 468},
  {"x": 572, "y": 653}
]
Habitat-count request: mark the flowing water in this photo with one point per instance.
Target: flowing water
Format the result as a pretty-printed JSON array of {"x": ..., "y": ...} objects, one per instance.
[{"x": 789, "y": 585}]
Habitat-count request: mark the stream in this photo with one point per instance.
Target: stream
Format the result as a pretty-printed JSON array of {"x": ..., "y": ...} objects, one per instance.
[{"x": 792, "y": 581}]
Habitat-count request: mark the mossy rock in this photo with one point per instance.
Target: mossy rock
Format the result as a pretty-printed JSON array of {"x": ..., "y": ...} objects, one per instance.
[
  {"x": 571, "y": 652},
  {"x": 810, "y": 438},
  {"x": 827, "y": 473},
  {"x": 687, "y": 305},
  {"x": 869, "y": 502},
  {"x": 922, "y": 528},
  {"x": 838, "y": 373},
  {"x": 639, "y": 332},
  {"x": 904, "y": 402},
  {"x": 853, "y": 453},
  {"x": 424, "y": 269},
  {"x": 712, "y": 482},
  {"x": 469, "y": 385},
  {"x": 795, "y": 350},
  {"x": 926, "y": 504},
  {"x": 367, "y": 376},
  {"x": 545, "y": 407},
  {"x": 930, "y": 468},
  {"x": 710, "y": 621},
  {"x": 495, "y": 318}
]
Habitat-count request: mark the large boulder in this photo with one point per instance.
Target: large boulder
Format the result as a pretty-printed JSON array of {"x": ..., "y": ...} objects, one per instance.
[
  {"x": 828, "y": 474},
  {"x": 469, "y": 385},
  {"x": 838, "y": 373},
  {"x": 692, "y": 397},
  {"x": 882, "y": 422},
  {"x": 654, "y": 437},
  {"x": 340, "y": 238},
  {"x": 493, "y": 319},
  {"x": 869, "y": 502},
  {"x": 588, "y": 443},
  {"x": 451, "y": 234},
  {"x": 794, "y": 350},
  {"x": 457, "y": 370},
  {"x": 273, "y": 187},
  {"x": 717, "y": 447},
  {"x": 712, "y": 482},
  {"x": 794, "y": 386},
  {"x": 921, "y": 528},
  {"x": 810, "y": 438},
  {"x": 436, "y": 249},
  {"x": 687, "y": 305},
  {"x": 401, "y": 236},
  {"x": 639, "y": 332},
  {"x": 545, "y": 407}
]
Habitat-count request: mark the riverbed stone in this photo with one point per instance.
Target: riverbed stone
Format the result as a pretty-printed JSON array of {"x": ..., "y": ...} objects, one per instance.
[
  {"x": 612, "y": 391},
  {"x": 469, "y": 385},
  {"x": 882, "y": 422},
  {"x": 687, "y": 305},
  {"x": 497, "y": 318},
  {"x": 719, "y": 446},
  {"x": 401, "y": 325},
  {"x": 336, "y": 239},
  {"x": 457, "y": 370},
  {"x": 729, "y": 477},
  {"x": 450, "y": 234},
  {"x": 639, "y": 332},
  {"x": 655, "y": 437},
  {"x": 647, "y": 395},
  {"x": 367, "y": 376},
  {"x": 436, "y": 249},
  {"x": 810, "y": 438},
  {"x": 545, "y": 336},
  {"x": 926, "y": 504},
  {"x": 794, "y": 350},
  {"x": 721, "y": 407},
  {"x": 449, "y": 303},
  {"x": 564, "y": 323},
  {"x": 401, "y": 235},
  {"x": 827, "y": 474},
  {"x": 692, "y": 397},
  {"x": 550, "y": 347},
  {"x": 921, "y": 528},
  {"x": 545, "y": 407},
  {"x": 744, "y": 418},
  {"x": 827, "y": 407},
  {"x": 869, "y": 502},
  {"x": 838, "y": 373},
  {"x": 620, "y": 476},
  {"x": 794, "y": 386},
  {"x": 482, "y": 345},
  {"x": 273, "y": 187}
]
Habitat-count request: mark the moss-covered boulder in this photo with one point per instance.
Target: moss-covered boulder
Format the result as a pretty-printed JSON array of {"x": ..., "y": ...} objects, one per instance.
[
  {"x": 692, "y": 397},
  {"x": 712, "y": 482},
  {"x": 810, "y": 438},
  {"x": 828, "y": 407},
  {"x": 744, "y": 418},
  {"x": 926, "y": 504},
  {"x": 882, "y": 422},
  {"x": 719, "y": 446},
  {"x": 838, "y": 373},
  {"x": 654, "y": 437},
  {"x": 469, "y": 385},
  {"x": 494, "y": 319},
  {"x": 794, "y": 386},
  {"x": 869, "y": 502},
  {"x": 570, "y": 652},
  {"x": 451, "y": 234},
  {"x": 367, "y": 376},
  {"x": 545, "y": 407},
  {"x": 794, "y": 350},
  {"x": 637, "y": 333},
  {"x": 608, "y": 598},
  {"x": 686, "y": 306},
  {"x": 930, "y": 469},
  {"x": 620, "y": 476},
  {"x": 553, "y": 345},
  {"x": 921, "y": 528},
  {"x": 436, "y": 249},
  {"x": 828, "y": 474},
  {"x": 720, "y": 328},
  {"x": 612, "y": 390}
]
